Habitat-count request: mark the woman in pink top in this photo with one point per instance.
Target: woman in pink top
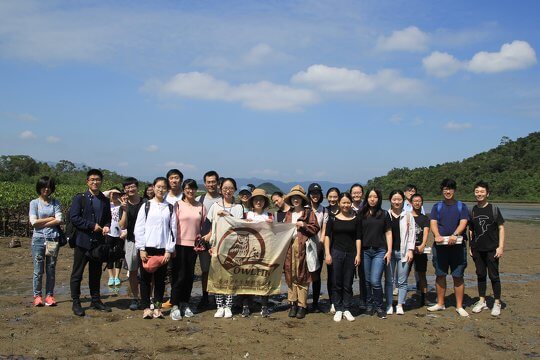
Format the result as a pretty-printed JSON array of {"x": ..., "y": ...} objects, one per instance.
[{"x": 190, "y": 215}]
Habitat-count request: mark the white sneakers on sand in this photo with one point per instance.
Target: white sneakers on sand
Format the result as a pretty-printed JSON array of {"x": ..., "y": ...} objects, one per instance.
[
  {"x": 347, "y": 315},
  {"x": 436, "y": 307},
  {"x": 479, "y": 306},
  {"x": 337, "y": 316}
]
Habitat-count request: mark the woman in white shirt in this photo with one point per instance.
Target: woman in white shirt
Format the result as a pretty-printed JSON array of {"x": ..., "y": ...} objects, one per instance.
[
  {"x": 155, "y": 234},
  {"x": 225, "y": 207}
]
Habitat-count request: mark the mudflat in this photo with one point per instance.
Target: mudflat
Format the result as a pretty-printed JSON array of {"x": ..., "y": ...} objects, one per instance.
[{"x": 54, "y": 332}]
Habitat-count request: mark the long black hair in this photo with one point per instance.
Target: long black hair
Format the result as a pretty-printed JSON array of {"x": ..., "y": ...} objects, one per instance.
[{"x": 376, "y": 211}]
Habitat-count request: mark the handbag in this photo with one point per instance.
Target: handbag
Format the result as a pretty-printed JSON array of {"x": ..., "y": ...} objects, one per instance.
[
  {"x": 312, "y": 258},
  {"x": 51, "y": 248},
  {"x": 62, "y": 238}
]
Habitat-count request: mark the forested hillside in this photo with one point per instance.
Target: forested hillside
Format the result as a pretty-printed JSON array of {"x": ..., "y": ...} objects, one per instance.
[{"x": 512, "y": 169}]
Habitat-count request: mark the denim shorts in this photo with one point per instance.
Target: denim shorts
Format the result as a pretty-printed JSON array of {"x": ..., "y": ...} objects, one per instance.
[{"x": 453, "y": 257}]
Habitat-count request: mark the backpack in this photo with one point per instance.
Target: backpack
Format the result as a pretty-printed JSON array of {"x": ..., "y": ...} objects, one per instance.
[
  {"x": 70, "y": 230},
  {"x": 440, "y": 205},
  {"x": 147, "y": 209}
]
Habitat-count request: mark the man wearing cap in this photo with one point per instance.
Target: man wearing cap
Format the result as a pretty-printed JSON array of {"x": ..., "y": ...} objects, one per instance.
[
  {"x": 297, "y": 274},
  {"x": 315, "y": 196}
]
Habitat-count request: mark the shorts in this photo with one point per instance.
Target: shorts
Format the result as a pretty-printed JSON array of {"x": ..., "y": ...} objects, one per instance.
[
  {"x": 420, "y": 262},
  {"x": 132, "y": 256},
  {"x": 204, "y": 261},
  {"x": 450, "y": 256}
]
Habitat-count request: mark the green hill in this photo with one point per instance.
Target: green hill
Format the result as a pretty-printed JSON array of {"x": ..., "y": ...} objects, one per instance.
[
  {"x": 512, "y": 169},
  {"x": 269, "y": 188}
]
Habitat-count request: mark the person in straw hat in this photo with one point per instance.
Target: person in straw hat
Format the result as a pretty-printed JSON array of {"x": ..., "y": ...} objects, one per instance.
[
  {"x": 258, "y": 202},
  {"x": 297, "y": 275}
]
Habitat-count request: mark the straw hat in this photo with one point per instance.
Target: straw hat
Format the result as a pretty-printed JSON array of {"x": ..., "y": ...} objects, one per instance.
[
  {"x": 299, "y": 191},
  {"x": 258, "y": 192},
  {"x": 111, "y": 191}
]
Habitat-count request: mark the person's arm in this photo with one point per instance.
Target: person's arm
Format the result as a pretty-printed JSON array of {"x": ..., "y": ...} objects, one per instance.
[
  {"x": 500, "y": 250},
  {"x": 411, "y": 236},
  {"x": 139, "y": 233},
  {"x": 310, "y": 226},
  {"x": 388, "y": 255},
  {"x": 425, "y": 236},
  {"x": 458, "y": 232},
  {"x": 358, "y": 258},
  {"x": 435, "y": 230},
  {"x": 327, "y": 233},
  {"x": 77, "y": 220},
  {"x": 107, "y": 218},
  {"x": 33, "y": 215},
  {"x": 123, "y": 217}
]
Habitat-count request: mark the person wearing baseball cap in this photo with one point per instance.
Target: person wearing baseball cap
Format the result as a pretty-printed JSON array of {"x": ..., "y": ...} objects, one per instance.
[{"x": 316, "y": 197}]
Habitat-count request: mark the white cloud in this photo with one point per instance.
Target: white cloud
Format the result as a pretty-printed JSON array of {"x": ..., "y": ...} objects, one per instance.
[
  {"x": 456, "y": 126},
  {"x": 53, "y": 139},
  {"x": 27, "y": 135},
  {"x": 441, "y": 64},
  {"x": 152, "y": 148},
  {"x": 514, "y": 56},
  {"x": 262, "y": 95},
  {"x": 396, "y": 119},
  {"x": 263, "y": 53},
  {"x": 179, "y": 165},
  {"x": 343, "y": 80},
  {"x": 409, "y": 39}
]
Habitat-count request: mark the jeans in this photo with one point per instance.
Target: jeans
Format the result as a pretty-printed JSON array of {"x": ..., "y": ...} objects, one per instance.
[
  {"x": 343, "y": 264},
  {"x": 398, "y": 269},
  {"x": 373, "y": 260},
  {"x": 41, "y": 263}
]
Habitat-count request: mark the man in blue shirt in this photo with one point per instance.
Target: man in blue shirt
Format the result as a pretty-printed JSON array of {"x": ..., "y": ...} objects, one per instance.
[
  {"x": 90, "y": 213},
  {"x": 449, "y": 219}
]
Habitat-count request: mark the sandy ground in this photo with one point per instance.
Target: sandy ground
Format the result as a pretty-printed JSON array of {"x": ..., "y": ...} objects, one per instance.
[{"x": 54, "y": 332}]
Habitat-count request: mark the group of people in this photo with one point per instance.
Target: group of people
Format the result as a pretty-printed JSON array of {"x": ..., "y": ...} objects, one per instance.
[{"x": 164, "y": 232}]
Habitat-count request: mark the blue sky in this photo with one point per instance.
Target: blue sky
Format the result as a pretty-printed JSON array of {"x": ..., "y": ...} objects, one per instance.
[{"x": 287, "y": 90}]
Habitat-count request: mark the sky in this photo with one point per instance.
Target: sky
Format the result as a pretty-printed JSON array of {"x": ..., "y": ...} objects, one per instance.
[{"x": 301, "y": 90}]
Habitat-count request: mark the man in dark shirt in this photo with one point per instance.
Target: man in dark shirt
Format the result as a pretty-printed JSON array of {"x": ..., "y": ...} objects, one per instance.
[
  {"x": 91, "y": 217},
  {"x": 487, "y": 246},
  {"x": 131, "y": 204}
]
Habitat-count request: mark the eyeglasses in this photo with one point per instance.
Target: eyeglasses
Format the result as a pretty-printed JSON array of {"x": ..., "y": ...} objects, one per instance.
[
  {"x": 227, "y": 189},
  {"x": 95, "y": 180}
]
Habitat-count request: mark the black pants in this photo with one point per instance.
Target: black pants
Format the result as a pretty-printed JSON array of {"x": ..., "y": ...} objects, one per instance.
[
  {"x": 94, "y": 273},
  {"x": 486, "y": 263},
  {"x": 182, "y": 274},
  {"x": 316, "y": 285},
  {"x": 343, "y": 264},
  {"x": 146, "y": 280}
]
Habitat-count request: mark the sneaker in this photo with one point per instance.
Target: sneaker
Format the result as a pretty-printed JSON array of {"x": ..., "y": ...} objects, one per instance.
[
  {"x": 496, "y": 311},
  {"x": 117, "y": 281},
  {"x": 245, "y": 311},
  {"x": 228, "y": 313},
  {"x": 99, "y": 305},
  {"x": 436, "y": 307},
  {"x": 381, "y": 314},
  {"x": 50, "y": 301},
  {"x": 158, "y": 314},
  {"x": 390, "y": 311},
  {"x": 395, "y": 292},
  {"x": 176, "y": 314},
  {"x": 399, "y": 310},
  {"x": 148, "y": 313},
  {"x": 370, "y": 311},
  {"x": 111, "y": 281},
  {"x": 220, "y": 312},
  {"x": 38, "y": 301},
  {"x": 337, "y": 316},
  {"x": 167, "y": 305},
  {"x": 134, "y": 305},
  {"x": 347, "y": 315},
  {"x": 332, "y": 309},
  {"x": 461, "y": 311},
  {"x": 479, "y": 306},
  {"x": 187, "y": 311},
  {"x": 264, "y": 311}
]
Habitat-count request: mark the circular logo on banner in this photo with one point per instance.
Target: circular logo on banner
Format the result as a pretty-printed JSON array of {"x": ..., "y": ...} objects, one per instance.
[{"x": 245, "y": 247}]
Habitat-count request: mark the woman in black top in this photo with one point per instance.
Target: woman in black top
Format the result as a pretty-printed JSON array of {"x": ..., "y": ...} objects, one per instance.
[
  {"x": 342, "y": 247},
  {"x": 377, "y": 248}
]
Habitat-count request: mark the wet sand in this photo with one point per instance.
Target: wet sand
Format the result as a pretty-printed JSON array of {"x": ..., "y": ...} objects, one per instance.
[{"x": 54, "y": 332}]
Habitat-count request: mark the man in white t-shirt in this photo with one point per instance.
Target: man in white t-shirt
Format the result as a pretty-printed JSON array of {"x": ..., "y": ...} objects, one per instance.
[{"x": 211, "y": 196}]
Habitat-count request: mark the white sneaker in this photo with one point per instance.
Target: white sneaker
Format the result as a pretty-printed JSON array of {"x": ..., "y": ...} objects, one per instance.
[
  {"x": 461, "y": 311},
  {"x": 332, "y": 309},
  {"x": 228, "y": 313},
  {"x": 479, "y": 306},
  {"x": 399, "y": 310},
  {"x": 395, "y": 291},
  {"x": 175, "y": 313},
  {"x": 390, "y": 311},
  {"x": 338, "y": 316},
  {"x": 496, "y": 311},
  {"x": 220, "y": 312},
  {"x": 436, "y": 307},
  {"x": 187, "y": 311},
  {"x": 347, "y": 315}
]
